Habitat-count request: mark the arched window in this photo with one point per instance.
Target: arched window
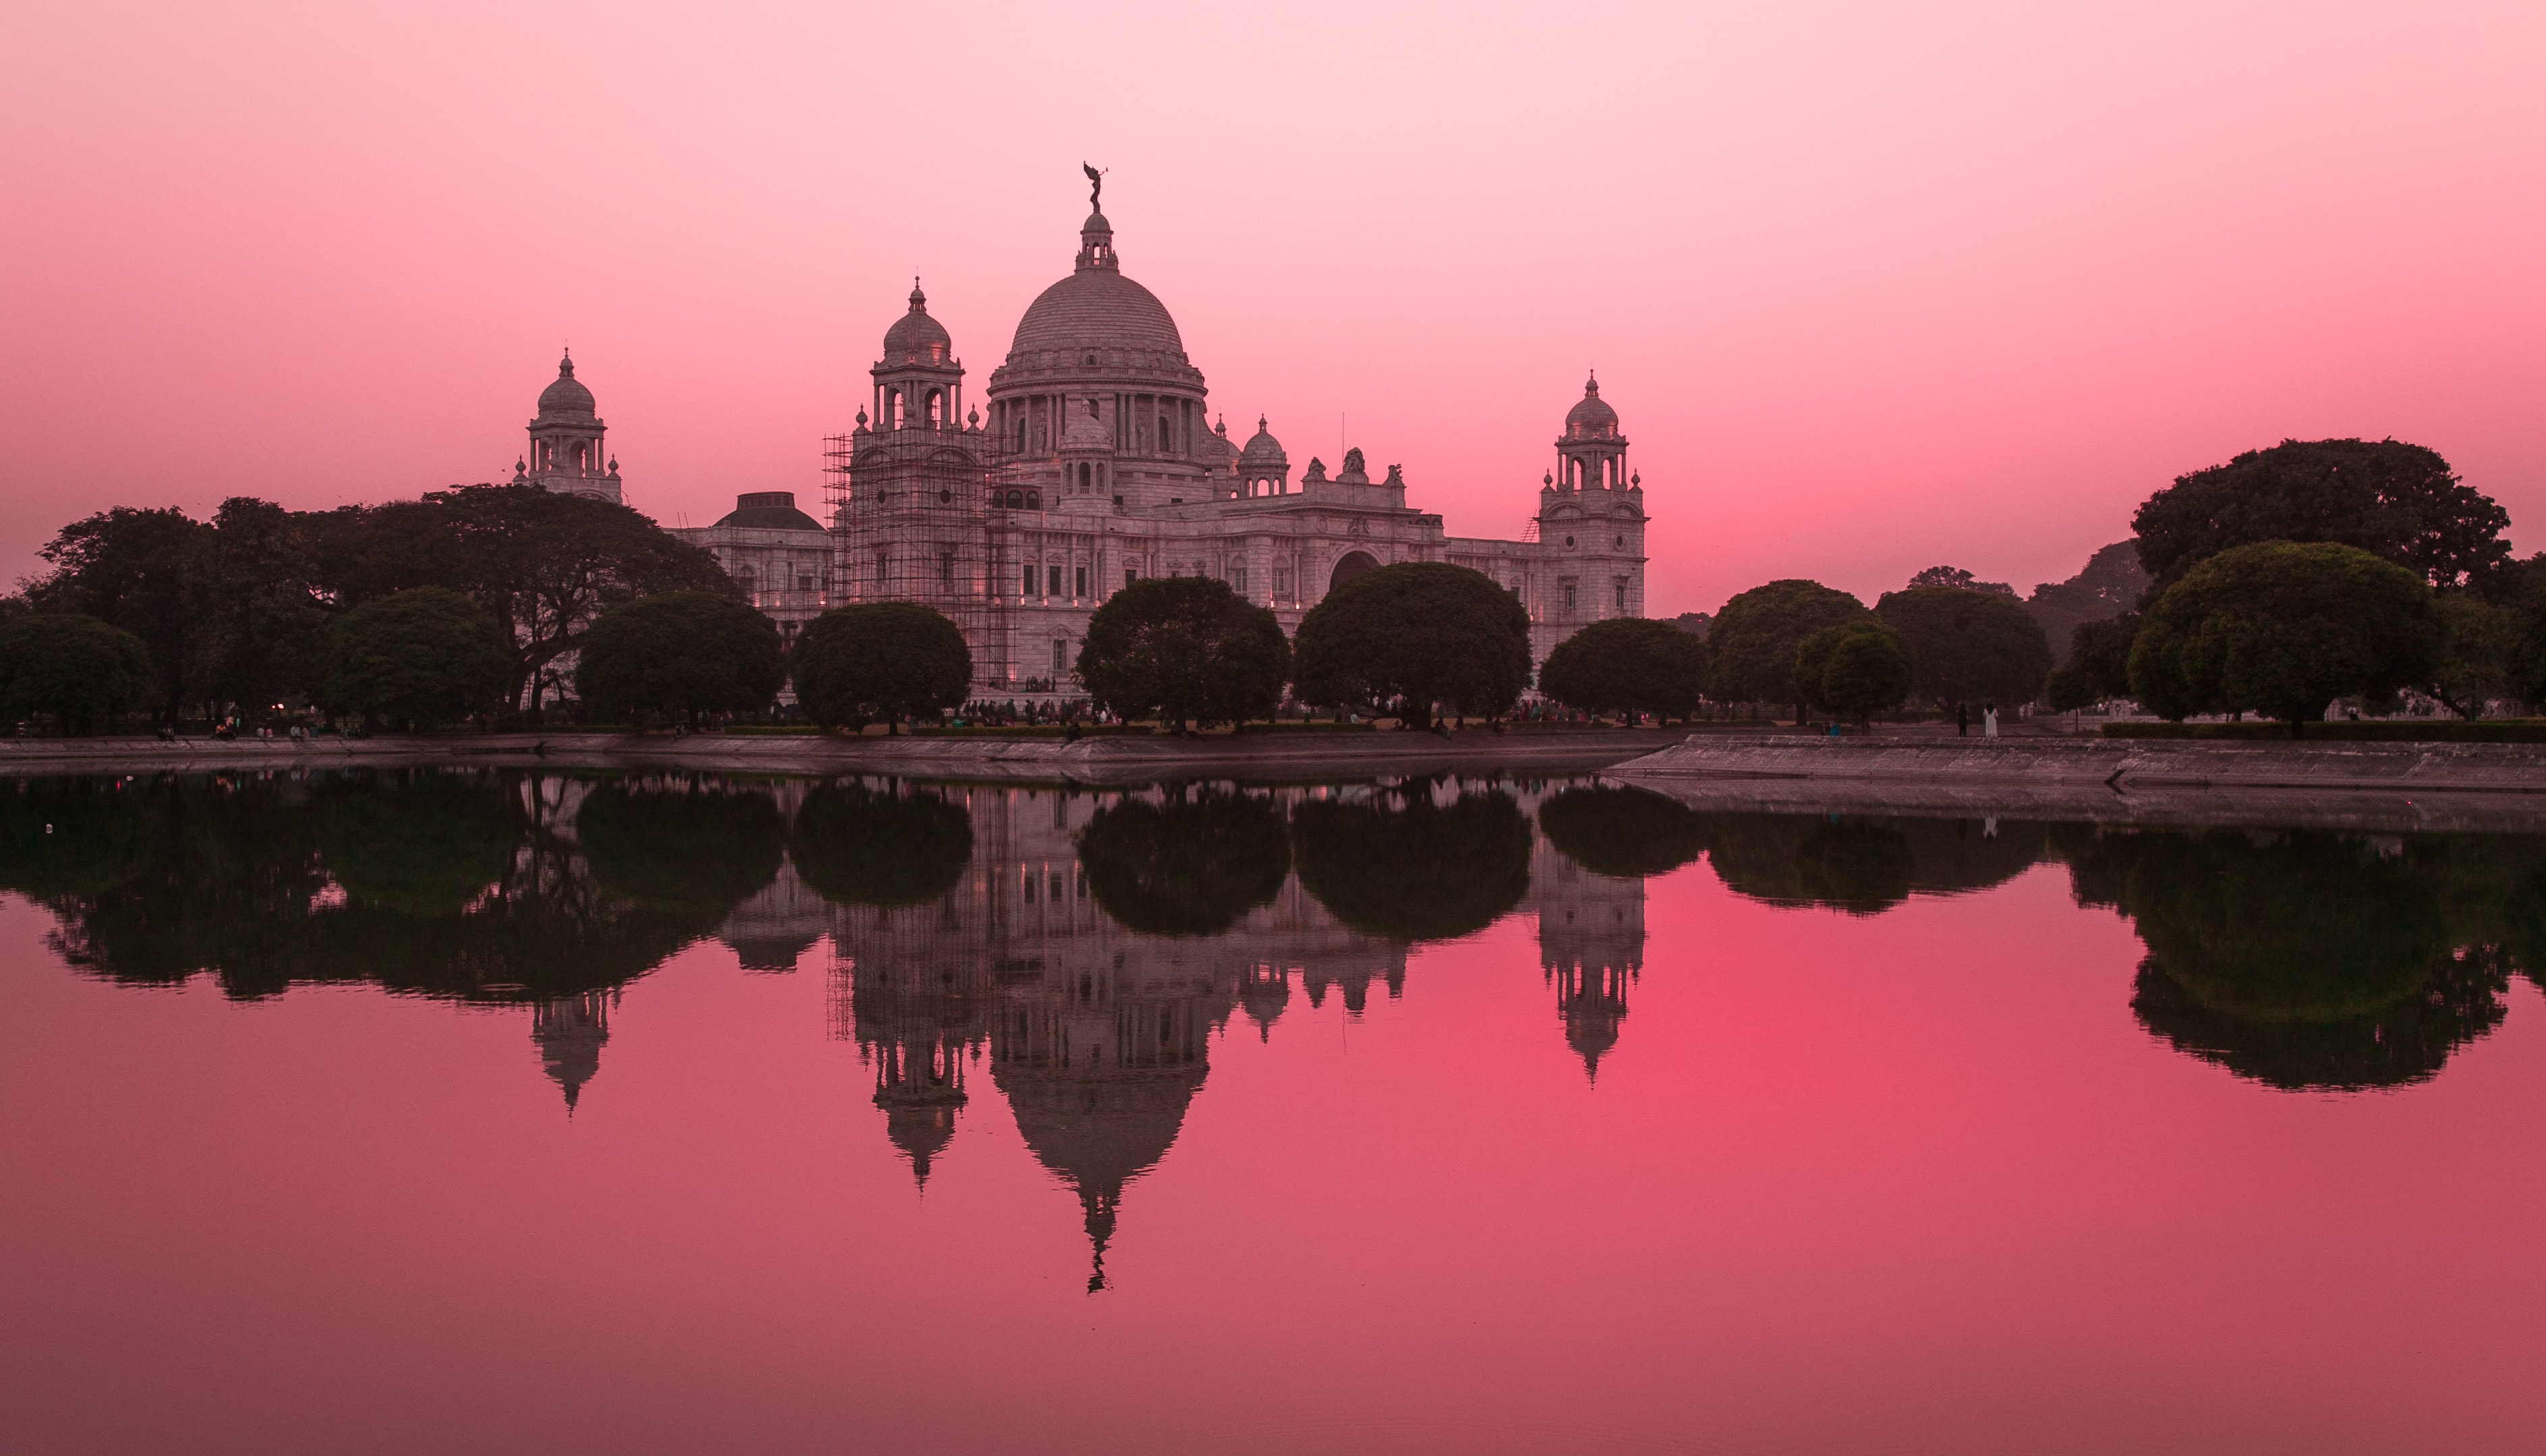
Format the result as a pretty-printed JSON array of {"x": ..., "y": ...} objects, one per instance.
[
  {"x": 1034, "y": 500},
  {"x": 936, "y": 410},
  {"x": 1166, "y": 436},
  {"x": 1016, "y": 500},
  {"x": 892, "y": 408}
]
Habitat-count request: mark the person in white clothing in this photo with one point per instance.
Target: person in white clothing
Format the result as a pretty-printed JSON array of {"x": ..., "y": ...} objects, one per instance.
[{"x": 1988, "y": 722}]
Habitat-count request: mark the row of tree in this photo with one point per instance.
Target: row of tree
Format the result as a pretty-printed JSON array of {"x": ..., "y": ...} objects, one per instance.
[{"x": 262, "y": 605}]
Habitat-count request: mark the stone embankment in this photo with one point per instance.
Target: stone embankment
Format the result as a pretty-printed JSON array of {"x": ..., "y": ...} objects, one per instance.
[
  {"x": 1095, "y": 761},
  {"x": 2384, "y": 787}
]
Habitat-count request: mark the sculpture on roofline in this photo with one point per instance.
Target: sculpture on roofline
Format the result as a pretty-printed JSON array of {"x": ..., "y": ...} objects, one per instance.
[{"x": 1095, "y": 186}]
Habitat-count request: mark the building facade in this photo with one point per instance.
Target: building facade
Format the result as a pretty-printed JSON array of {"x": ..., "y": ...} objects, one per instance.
[
  {"x": 566, "y": 453},
  {"x": 1093, "y": 462}
]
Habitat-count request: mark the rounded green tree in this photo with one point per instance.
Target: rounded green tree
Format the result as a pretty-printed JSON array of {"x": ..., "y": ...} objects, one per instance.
[
  {"x": 1417, "y": 634},
  {"x": 420, "y": 657},
  {"x": 857, "y": 845},
  {"x": 83, "y": 672},
  {"x": 680, "y": 654},
  {"x": 1855, "y": 671},
  {"x": 1401, "y": 867},
  {"x": 2282, "y": 629},
  {"x": 2397, "y": 501},
  {"x": 1184, "y": 649},
  {"x": 1967, "y": 646},
  {"x": 886, "y": 660},
  {"x": 1630, "y": 665},
  {"x": 1750, "y": 644}
]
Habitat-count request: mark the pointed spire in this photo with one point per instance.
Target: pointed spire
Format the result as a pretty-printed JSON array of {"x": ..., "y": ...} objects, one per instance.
[{"x": 1100, "y": 1232}]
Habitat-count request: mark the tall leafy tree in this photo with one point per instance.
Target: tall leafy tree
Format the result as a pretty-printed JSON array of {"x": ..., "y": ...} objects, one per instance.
[
  {"x": 1751, "y": 643},
  {"x": 680, "y": 654},
  {"x": 2110, "y": 583},
  {"x": 1966, "y": 644},
  {"x": 2396, "y": 501},
  {"x": 2478, "y": 649},
  {"x": 1184, "y": 649},
  {"x": 258, "y": 607},
  {"x": 1855, "y": 669},
  {"x": 365, "y": 552},
  {"x": 2283, "y": 629},
  {"x": 422, "y": 656},
  {"x": 882, "y": 660},
  {"x": 548, "y": 565},
  {"x": 137, "y": 570},
  {"x": 82, "y": 672},
  {"x": 1415, "y": 634},
  {"x": 2098, "y": 666},
  {"x": 1627, "y": 664}
]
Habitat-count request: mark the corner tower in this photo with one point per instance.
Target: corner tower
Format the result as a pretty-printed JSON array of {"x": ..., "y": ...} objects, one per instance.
[
  {"x": 566, "y": 452},
  {"x": 1590, "y": 527}
]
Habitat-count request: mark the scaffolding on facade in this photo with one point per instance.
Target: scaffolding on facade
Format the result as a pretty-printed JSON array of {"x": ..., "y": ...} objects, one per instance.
[{"x": 916, "y": 515}]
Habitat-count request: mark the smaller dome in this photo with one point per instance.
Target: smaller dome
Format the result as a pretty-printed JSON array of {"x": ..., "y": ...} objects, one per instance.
[
  {"x": 768, "y": 510},
  {"x": 1591, "y": 416},
  {"x": 1096, "y": 226},
  {"x": 565, "y": 395},
  {"x": 1263, "y": 454},
  {"x": 916, "y": 337}
]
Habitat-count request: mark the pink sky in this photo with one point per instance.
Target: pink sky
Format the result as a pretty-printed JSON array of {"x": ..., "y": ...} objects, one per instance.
[{"x": 1873, "y": 286}]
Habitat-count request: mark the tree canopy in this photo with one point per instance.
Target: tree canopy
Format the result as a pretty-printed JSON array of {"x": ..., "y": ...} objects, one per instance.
[
  {"x": 137, "y": 569},
  {"x": 426, "y": 655},
  {"x": 1623, "y": 832},
  {"x": 882, "y": 660},
  {"x": 1751, "y": 643},
  {"x": 1415, "y": 634},
  {"x": 2396, "y": 501},
  {"x": 82, "y": 672},
  {"x": 2098, "y": 666},
  {"x": 2110, "y": 583},
  {"x": 680, "y": 654},
  {"x": 1968, "y": 646},
  {"x": 2479, "y": 652},
  {"x": 1627, "y": 664},
  {"x": 1856, "y": 669},
  {"x": 1184, "y": 649},
  {"x": 2282, "y": 629}
]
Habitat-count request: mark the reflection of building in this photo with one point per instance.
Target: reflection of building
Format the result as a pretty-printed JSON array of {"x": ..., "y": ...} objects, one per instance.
[
  {"x": 773, "y": 928},
  {"x": 570, "y": 1031},
  {"x": 1092, "y": 461},
  {"x": 1590, "y": 945},
  {"x": 1098, "y": 1035}
]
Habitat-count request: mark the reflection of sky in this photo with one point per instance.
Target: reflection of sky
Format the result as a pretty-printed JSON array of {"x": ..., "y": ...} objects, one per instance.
[{"x": 1844, "y": 1178}]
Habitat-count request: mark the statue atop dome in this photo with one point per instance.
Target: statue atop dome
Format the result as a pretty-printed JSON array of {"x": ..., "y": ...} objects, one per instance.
[{"x": 1095, "y": 187}]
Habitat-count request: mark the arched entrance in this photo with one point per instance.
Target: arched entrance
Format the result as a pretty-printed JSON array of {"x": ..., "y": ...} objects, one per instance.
[{"x": 1352, "y": 565}]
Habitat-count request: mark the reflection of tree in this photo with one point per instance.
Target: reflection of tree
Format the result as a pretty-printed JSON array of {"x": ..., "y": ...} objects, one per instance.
[
  {"x": 1185, "y": 866},
  {"x": 416, "y": 843},
  {"x": 2300, "y": 960},
  {"x": 1622, "y": 833},
  {"x": 1958, "y": 856},
  {"x": 1858, "y": 866},
  {"x": 696, "y": 845},
  {"x": 1413, "y": 871},
  {"x": 70, "y": 836},
  {"x": 857, "y": 845}
]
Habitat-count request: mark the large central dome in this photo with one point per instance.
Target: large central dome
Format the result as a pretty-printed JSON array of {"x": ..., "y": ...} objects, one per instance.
[{"x": 1097, "y": 311}]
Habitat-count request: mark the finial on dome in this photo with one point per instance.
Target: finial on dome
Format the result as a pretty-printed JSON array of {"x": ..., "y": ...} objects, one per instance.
[
  {"x": 565, "y": 365},
  {"x": 974, "y": 417},
  {"x": 862, "y": 418},
  {"x": 918, "y": 300},
  {"x": 1592, "y": 385}
]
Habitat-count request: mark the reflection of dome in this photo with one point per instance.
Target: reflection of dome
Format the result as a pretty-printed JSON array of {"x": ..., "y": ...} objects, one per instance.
[
  {"x": 1264, "y": 993},
  {"x": 1098, "y": 1129},
  {"x": 570, "y": 1031},
  {"x": 565, "y": 395},
  {"x": 1263, "y": 454},
  {"x": 1591, "y": 416},
  {"x": 915, "y": 336},
  {"x": 920, "y": 1125}
]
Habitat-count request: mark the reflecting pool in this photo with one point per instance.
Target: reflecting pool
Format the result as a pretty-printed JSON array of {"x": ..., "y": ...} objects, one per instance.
[{"x": 507, "y": 1111}]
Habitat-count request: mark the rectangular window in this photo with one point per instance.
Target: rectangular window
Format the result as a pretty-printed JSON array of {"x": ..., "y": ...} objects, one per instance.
[
  {"x": 1281, "y": 581},
  {"x": 1026, "y": 586},
  {"x": 946, "y": 566},
  {"x": 1569, "y": 596},
  {"x": 1081, "y": 583},
  {"x": 1060, "y": 655},
  {"x": 1237, "y": 579},
  {"x": 803, "y": 583},
  {"x": 1131, "y": 574},
  {"x": 1052, "y": 582},
  {"x": 1622, "y": 596}
]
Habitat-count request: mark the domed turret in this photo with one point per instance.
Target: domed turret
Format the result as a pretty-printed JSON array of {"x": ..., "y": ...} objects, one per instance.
[
  {"x": 1264, "y": 452},
  {"x": 1591, "y": 417},
  {"x": 917, "y": 338},
  {"x": 565, "y": 395}
]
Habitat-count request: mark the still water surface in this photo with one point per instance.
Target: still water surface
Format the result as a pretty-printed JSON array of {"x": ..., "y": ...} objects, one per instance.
[{"x": 500, "y": 1112}]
